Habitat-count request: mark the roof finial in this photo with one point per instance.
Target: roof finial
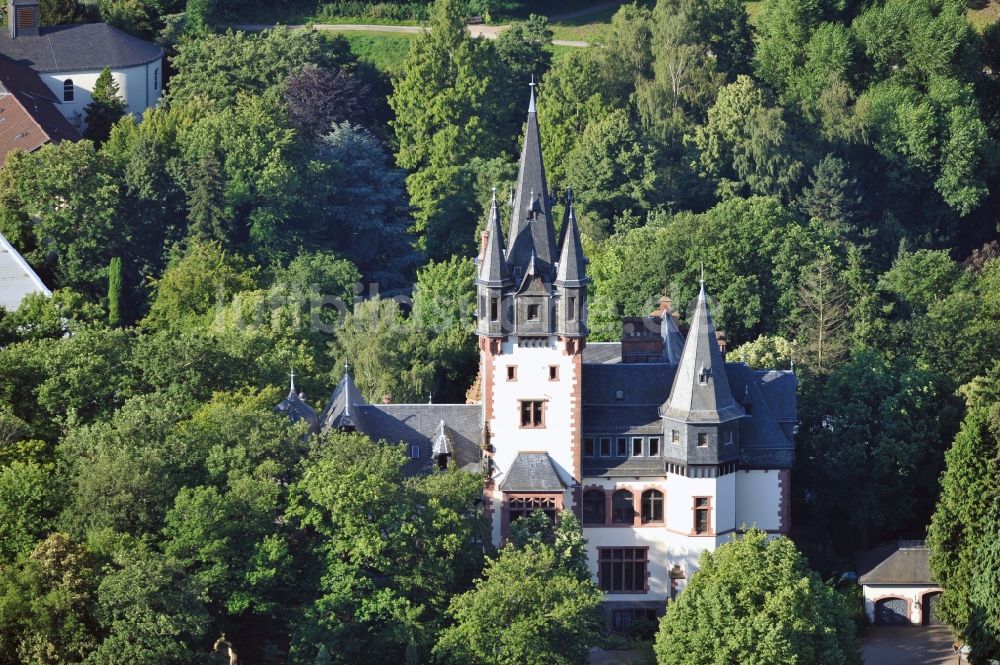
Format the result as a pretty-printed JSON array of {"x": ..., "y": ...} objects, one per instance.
[
  {"x": 430, "y": 397},
  {"x": 703, "y": 273},
  {"x": 291, "y": 382},
  {"x": 569, "y": 196},
  {"x": 531, "y": 104}
]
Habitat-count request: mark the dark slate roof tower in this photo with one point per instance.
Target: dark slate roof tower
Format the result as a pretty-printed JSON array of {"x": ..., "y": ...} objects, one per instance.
[
  {"x": 531, "y": 227},
  {"x": 295, "y": 407},
  {"x": 701, "y": 414},
  {"x": 571, "y": 280}
]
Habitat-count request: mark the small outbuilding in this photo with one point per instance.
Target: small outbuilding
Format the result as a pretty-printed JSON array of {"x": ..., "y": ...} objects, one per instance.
[{"x": 897, "y": 585}]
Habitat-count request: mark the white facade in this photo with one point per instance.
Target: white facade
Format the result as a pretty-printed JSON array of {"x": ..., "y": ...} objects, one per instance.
[
  {"x": 531, "y": 369},
  {"x": 140, "y": 86},
  {"x": 915, "y": 596}
]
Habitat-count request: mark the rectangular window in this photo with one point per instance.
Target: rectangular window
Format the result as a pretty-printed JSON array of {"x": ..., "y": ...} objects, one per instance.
[
  {"x": 702, "y": 440},
  {"x": 482, "y": 307},
  {"x": 519, "y": 507},
  {"x": 605, "y": 447},
  {"x": 729, "y": 436},
  {"x": 654, "y": 446},
  {"x": 532, "y": 414},
  {"x": 414, "y": 452},
  {"x": 621, "y": 447},
  {"x": 675, "y": 436},
  {"x": 532, "y": 312},
  {"x": 494, "y": 309},
  {"x": 702, "y": 515},
  {"x": 622, "y": 620},
  {"x": 571, "y": 309},
  {"x": 553, "y": 372},
  {"x": 637, "y": 446},
  {"x": 622, "y": 569},
  {"x": 512, "y": 372},
  {"x": 588, "y": 447}
]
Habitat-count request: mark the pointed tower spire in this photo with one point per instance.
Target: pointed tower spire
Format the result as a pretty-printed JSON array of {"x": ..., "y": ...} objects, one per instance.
[
  {"x": 701, "y": 392},
  {"x": 493, "y": 271},
  {"x": 531, "y": 202},
  {"x": 572, "y": 264}
]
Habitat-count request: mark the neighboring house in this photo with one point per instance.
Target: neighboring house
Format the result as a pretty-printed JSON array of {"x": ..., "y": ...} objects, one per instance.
[
  {"x": 69, "y": 58},
  {"x": 897, "y": 584},
  {"x": 17, "y": 279},
  {"x": 29, "y": 117},
  {"x": 659, "y": 446}
]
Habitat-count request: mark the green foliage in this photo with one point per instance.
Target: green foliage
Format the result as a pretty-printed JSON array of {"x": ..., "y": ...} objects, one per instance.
[
  {"x": 387, "y": 353},
  {"x": 29, "y": 501},
  {"x": 611, "y": 172},
  {"x": 62, "y": 12},
  {"x": 444, "y": 117},
  {"x": 963, "y": 530},
  {"x": 218, "y": 68},
  {"x": 115, "y": 292},
  {"x": 444, "y": 303},
  {"x": 63, "y": 201},
  {"x": 531, "y": 606},
  {"x": 754, "y": 600},
  {"x": 105, "y": 108},
  {"x": 365, "y": 214},
  {"x": 872, "y": 441},
  {"x": 390, "y": 551},
  {"x": 570, "y": 99},
  {"x": 746, "y": 147},
  {"x": 832, "y": 196},
  {"x": 765, "y": 352}
]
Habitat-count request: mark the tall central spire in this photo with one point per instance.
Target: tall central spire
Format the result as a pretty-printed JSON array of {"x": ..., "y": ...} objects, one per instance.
[{"x": 531, "y": 221}]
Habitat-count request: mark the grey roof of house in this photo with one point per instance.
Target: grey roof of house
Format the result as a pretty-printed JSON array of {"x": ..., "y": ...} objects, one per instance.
[
  {"x": 493, "y": 269},
  {"x": 532, "y": 472},
  {"x": 341, "y": 411},
  {"x": 907, "y": 565},
  {"x": 602, "y": 353},
  {"x": 632, "y": 467},
  {"x": 701, "y": 392},
  {"x": 527, "y": 235},
  {"x": 572, "y": 263},
  {"x": 673, "y": 340},
  {"x": 82, "y": 47},
  {"x": 418, "y": 424},
  {"x": 295, "y": 407},
  {"x": 17, "y": 279}
]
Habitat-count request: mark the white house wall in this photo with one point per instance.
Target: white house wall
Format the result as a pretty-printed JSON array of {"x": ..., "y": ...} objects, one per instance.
[
  {"x": 914, "y": 595},
  {"x": 758, "y": 499},
  {"x": 138, "y": 86}
]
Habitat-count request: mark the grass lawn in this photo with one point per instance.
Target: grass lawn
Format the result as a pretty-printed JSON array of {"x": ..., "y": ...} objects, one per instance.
[
  {"x": 591, "y": 28},
  {"x": 983, "y": 16},
  {"x": 383, "y": 50}
]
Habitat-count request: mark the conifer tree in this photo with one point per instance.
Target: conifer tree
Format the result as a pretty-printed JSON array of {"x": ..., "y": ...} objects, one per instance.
[
  {"x": 105, "y": 108},
  {"x": 831, "y": 196},
  {"x": 206, "y": 210},
  {"x": 115, "y": 292},
  {"x": 444, "y": 118}
]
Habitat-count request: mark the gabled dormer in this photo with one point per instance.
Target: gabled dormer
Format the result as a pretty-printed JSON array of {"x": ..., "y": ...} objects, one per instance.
[{"x": 533, "y": 315}]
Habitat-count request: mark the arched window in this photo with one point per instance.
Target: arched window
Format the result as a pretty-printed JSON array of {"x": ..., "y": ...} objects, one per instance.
[
  {"x": 156, "y": 79},
  {"x": 594, "y": 509},
  {"x": 622, "y": 508},
  {"x": 68, "y": 90},
  {"x": 652, "y": 506}
]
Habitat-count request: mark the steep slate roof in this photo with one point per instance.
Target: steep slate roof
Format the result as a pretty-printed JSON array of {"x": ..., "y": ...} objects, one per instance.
[
  {"x": 83, "y": 47},
  {"x": 295, "y": 407},
  {"x": 525, "y": 234},
  {"x": 673, "y": 340},
  {"x": 342, "y": 412},
  {"x": 602, "y": 353},
  {"x": 28, "y": 116},
  {"x": 572, "y": 264},
  {"x": 493, "y": 270},
  {"x": 643, "y": 388},
  {"x": 17, "y": 279},
  {"x": 532, "y": 472},
  {"x": 906, "y": 565},
  {"x": 701, "y": 391},
  {"x": 418, "y": 425}
]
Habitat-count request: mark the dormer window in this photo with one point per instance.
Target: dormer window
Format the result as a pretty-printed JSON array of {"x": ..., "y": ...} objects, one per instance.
[
  {"x": 702, "y": 440},
  {"x": 69, "y": 92},
  {"x": 703, "y": 374},
  {"x": 532, "y": 312}
]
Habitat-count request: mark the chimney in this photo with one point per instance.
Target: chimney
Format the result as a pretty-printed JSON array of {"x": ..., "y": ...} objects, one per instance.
[
  {"x": 484, "y": 238},
  {"x": 641, "y": 340},
  {"x": 23, "y": 18},
  {"x": 720, "y": 337},
  {"x": 387, "y": 398},
  {"x": 666, "y": 305}
]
